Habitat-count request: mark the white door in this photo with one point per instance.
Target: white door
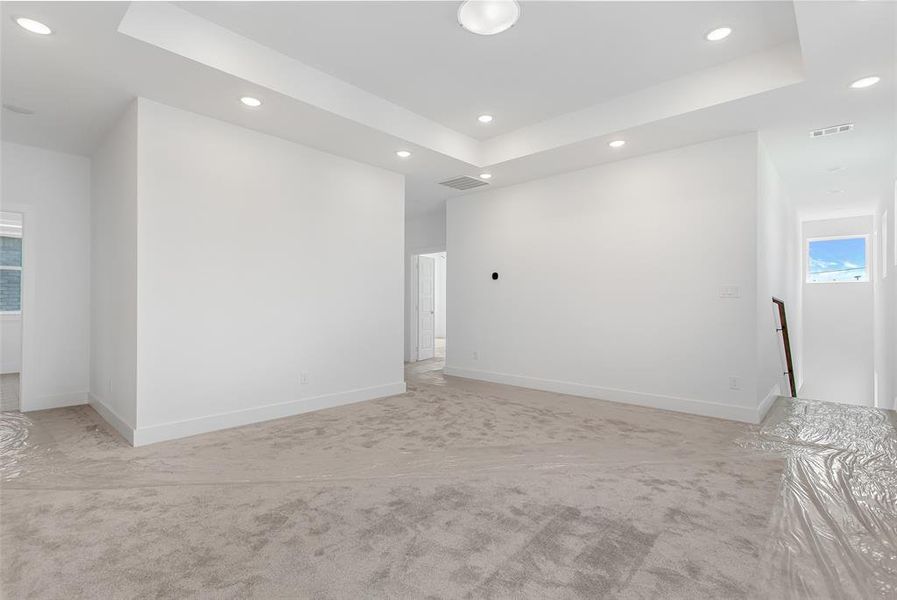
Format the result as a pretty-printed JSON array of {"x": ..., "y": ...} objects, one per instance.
[{"x": 426, "y": 307}]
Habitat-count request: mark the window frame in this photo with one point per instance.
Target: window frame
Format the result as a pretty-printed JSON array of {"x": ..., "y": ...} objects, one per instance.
[
  {"x": 14, "y": 268},
  {"x": 867, "y": 267}
]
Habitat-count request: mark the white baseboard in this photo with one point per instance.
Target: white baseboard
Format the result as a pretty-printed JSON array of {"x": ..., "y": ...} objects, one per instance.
[
  {"x": 56, "y": 401},
  {"x": 179, "y": 429},
  {"x": 766, "y": 404},
  {"x": 112, "y": 418},
  {"x": 684, "y": 405}
]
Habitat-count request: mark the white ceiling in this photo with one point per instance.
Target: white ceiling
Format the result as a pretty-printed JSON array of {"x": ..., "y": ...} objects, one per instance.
[
  {"x": 560, "y": 57},
  {"x": 344, "y": 78}
]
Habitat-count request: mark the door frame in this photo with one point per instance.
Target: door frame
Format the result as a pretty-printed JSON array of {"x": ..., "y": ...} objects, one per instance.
[
  {"x": 413, "y": 293},
  {"x": 422, "y": 317},
  {"x": 29, "y": 276}
]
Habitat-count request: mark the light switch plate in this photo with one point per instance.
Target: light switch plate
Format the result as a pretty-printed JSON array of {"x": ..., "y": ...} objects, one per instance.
[{"x": 729, "y": 291}]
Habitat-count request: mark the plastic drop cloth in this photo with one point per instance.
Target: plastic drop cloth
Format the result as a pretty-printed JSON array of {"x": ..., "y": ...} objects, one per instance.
[{"x": 833, "y": 532}]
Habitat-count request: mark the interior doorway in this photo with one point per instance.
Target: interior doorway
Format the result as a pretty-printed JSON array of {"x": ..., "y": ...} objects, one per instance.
[
  {"x": 11, "y": 275},
  {"x": 430, "y": 307}
]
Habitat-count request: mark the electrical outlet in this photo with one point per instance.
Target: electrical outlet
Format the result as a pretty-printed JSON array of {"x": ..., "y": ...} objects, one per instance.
[
  {"x": 303, "y": 378},
  {"x": 476, "y": 355},
  {"x": 734, "y": 383}
]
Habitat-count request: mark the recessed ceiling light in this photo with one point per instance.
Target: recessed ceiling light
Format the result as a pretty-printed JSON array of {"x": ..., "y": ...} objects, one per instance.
[
  {"x": 865, "y": 82},
  {"x": 720, "y": 33},
  {"x": 485, "y": 118},
  {"x": 485, "y": 175},
  {"x": 403, "y": 154},
  {"x": 251, "y": 102},
  {"x": 33, "y": 26},
  {"x": 835, "y": 169},
  {"x": 488, "y": 17},
  {"x": 835, "y": 191},
  {"x": 617, "y": 143}
]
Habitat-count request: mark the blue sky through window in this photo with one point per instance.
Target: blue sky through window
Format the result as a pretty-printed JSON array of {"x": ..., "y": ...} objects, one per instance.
[{"x": 837, "y": 260}]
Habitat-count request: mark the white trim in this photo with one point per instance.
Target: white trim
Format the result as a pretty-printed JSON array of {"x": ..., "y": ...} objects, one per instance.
[
  {"x": 111, "y": 417},
  {"x": 414, "y": 299},
  {"x": 744, "y": 414},
  {"x": 883, "y": 243},
  {"x": 766, "y": 403},
  {"x": 413, "y": 293},
  {"x": 55, "y": 401},
  {"x": 179, "y": 429}
]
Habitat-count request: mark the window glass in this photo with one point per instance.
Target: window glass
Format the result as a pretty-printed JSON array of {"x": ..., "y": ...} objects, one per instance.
[
  {"x": 837, "y": 260},
  {"x": 10, "y": 251},
  {"x": 10, "y": 290},
  {"x": 10, "y": 274}
]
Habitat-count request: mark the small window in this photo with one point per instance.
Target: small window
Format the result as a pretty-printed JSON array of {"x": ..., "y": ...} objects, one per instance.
[
  {"x": 10, "y": 274},
  {"x": 837, "y": 260}
]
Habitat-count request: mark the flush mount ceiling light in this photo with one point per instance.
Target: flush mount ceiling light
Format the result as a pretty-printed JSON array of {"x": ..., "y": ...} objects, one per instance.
[
  {"x": 720, "y": 33},
  {"x": 617, "y": 143},
  {"x": 865, "y": 82},
  {"x": 485, "y": 175},
  {"x": 485, "y": 118},
  {"x": 251, "y": 102},
  {"x": 33, "y": 26},
  {"x": 403, "y": 153},
  {"x": 488, "y": 17}
]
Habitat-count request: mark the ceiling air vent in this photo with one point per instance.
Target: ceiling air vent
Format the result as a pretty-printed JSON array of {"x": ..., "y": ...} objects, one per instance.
[
  {"x": 834, "y": 129},
  {"x": 463, "y": 183}
]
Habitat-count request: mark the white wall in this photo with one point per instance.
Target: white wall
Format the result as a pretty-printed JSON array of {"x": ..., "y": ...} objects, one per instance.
[
  {"x": 424, "y": 234},
  {"x": 838, "y": 337},
  {"x": 609, "y": 281},
  {"x": 113, "y": 364},
  {"x": 778, "y": 275},
  {"x": 889, "y": 358},
  {"x": 52, "y": 191},
  {"x": 260, "y": 260}
]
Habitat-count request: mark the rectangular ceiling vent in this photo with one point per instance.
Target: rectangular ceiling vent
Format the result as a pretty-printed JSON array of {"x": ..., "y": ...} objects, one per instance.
[
  {"x": 833, "y": 130},
  {"x": 463, "y": 183}
]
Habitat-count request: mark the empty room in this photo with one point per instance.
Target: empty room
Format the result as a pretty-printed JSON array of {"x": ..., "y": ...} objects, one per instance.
[{"x": 483, "y": 299}]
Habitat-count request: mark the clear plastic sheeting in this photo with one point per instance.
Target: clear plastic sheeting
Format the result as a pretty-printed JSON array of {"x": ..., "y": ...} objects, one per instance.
[
  {"x": 833, "y": 532},
  {"x": 14, "y": 429}
]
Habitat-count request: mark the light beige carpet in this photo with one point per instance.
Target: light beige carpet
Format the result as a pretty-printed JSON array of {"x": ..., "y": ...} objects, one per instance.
[{"x": 456, "y": 489}]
